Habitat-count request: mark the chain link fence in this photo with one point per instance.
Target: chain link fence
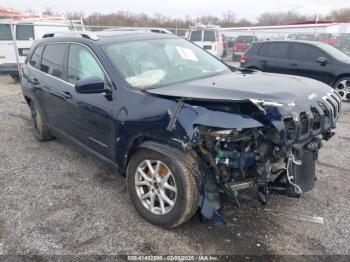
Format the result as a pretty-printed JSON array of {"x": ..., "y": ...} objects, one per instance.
[{"x": 16, "y": 38}]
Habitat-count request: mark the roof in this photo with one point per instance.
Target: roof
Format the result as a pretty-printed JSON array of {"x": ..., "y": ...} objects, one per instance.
[
  {"x": 104, "y": 37},
  {"x": 316, "y": 43}
]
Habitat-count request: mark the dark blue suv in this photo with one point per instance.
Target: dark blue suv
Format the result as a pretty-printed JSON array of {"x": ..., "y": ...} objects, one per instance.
[{"x": 182, "y": 126}]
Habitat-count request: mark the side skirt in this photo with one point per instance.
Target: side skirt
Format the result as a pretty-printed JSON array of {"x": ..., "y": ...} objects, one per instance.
[{"x": 60, "y": 134}]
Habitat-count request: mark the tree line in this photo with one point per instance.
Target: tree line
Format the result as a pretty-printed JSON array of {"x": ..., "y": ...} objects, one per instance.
[{"x": 227, "y": 19}]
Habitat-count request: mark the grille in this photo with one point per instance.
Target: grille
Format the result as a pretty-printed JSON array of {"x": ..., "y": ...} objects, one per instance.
[
  {"x": 328, "y": 110},
  {"x": 317, "y": 119},
  {"x": 289, "y": 125},
  {"x": 304, "y": 123}
]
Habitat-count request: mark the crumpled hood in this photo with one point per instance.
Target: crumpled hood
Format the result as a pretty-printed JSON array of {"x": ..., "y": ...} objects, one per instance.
[{"x": 252, "y": 85}]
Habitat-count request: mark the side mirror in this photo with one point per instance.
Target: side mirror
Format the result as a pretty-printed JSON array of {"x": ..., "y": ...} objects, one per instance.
[
  {"x": 322, "y": 61},
  {"x": 91, "y": 85}
]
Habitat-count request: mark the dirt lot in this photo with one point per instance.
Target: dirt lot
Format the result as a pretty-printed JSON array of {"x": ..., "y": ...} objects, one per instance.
[{"x": 55, "y": 199}]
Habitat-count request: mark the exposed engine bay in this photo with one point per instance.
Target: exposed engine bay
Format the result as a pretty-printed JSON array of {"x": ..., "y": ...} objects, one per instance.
[
  {"x": 251, "y": 163},
  {"x": 249, "y": 148}
]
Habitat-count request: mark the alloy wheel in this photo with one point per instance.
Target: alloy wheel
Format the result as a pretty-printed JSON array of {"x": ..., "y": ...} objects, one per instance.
[
  {"x": 343, "y": 89},
  {"x": 155, "y": 186}
]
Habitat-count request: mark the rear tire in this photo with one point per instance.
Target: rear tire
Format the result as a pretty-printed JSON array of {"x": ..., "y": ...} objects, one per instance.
[
  {"x": 40, "y": 130},
  {"x": 342, "y": 86},
  {"x": 179, "y": 204}
]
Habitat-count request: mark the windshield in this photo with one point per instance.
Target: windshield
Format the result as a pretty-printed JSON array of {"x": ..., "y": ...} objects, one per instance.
[
  {"x": 153, "y": 63},
  {"x": 334, "y": 52}
]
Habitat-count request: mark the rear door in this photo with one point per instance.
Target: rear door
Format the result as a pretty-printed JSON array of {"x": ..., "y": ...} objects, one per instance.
[
  {"x": 274, "y": 57},
  {"x": 304, "y": 62},
  {"x": 49, "y": 85},
  {"x": 196, "y": 37},
  {"x": 211, "y": 42},
  {"x": 25, "y": 38},
  {"x": 7, "y": 50}
]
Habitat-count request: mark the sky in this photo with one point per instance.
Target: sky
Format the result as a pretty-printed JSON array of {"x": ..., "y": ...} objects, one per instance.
[{"x": 249, "y": 9}]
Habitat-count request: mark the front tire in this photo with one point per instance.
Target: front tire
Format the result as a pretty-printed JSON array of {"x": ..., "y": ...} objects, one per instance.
[
  {"x": 40, "y": 130},
  {"x": 342, "y": 86},
  {"x": 162, "y": 189}
]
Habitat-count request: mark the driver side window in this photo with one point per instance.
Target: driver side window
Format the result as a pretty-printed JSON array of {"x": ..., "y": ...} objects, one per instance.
[{"x": 83, "y": 64}]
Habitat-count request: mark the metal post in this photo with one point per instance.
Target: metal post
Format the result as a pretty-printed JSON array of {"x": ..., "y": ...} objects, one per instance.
[{"x": 12, "y": 26}]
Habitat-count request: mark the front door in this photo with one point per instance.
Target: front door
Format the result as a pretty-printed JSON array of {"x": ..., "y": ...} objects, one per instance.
[
  {"x": 304, "y": 62},
  {"x": 91, "y": 115}
]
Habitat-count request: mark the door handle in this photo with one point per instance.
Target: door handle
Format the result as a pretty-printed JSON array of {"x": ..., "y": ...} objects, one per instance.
[
  {"x": 293, "y": 64},
  {"x": 263, "y": 62},
  {"x": 67, "y": 95},
  {"x": 35, "y": 82}
]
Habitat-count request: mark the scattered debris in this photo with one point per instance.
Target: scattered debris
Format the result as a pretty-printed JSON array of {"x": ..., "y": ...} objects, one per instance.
[{"x": 295, "y": 216}]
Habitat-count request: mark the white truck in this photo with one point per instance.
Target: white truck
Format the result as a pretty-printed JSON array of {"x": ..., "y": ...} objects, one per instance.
[
  {"x": 208, "y": 38},
  {"x": 25, "y": 33}
]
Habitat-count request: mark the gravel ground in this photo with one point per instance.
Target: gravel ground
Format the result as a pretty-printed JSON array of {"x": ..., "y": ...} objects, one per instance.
[{"x": 55, "y": 199}]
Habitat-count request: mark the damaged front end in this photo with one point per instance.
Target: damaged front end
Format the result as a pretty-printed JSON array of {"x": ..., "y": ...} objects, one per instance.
[{"x": 277, "y": 156}]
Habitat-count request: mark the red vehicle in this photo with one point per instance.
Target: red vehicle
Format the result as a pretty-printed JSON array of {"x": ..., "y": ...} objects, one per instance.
[
  {"x": 225, "y": 45},
  {"x": 241, "y": 45},
  {"x": 327, "y": 38}
]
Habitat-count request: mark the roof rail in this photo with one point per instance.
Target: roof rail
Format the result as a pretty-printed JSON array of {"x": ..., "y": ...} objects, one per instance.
[
  {"x": 84, "y": 34},
  {"x": 143, "y": 29}
]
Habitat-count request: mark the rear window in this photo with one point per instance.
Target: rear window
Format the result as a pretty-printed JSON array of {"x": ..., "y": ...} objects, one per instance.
[
  {"x": 35, "y": 59},
  {"x": 275, "y": 50},
  {"x": 5, "y": 33},
  {"x": 196, "y": 36},
  {"x": 209, "y": 36},
  {"x": 245, "y": 39},
  {"x": 53, "y": 59},
  {"x": 24, "y": 32}
]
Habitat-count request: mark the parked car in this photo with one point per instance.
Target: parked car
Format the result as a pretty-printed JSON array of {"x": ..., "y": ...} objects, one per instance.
[
  {"x": 326, "y": 38},
  {"x": 309, "y": 59},
  {"x": 25, "y": 32},
  {"x": 180, "y": 124},
  {"x": 241, "y": 44},
  {"x": 209, "y": 39},
  {"x": 225, "y": 45}
]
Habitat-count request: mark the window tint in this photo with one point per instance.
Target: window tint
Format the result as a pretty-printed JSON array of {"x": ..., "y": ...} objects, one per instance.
[
  {"x": 209, "y": 36},
  {"x": 5, "y": 33},
  {"x": 276, "y": 50},
  {"x": 53, "y": 59},
  {"x": 196, "y": 36},
  {"x": 35, "y": 59},
  {"x": 24, "y": 32},
  {"x": 82, "y": 64},
  {"x": 306, "y": 53}
]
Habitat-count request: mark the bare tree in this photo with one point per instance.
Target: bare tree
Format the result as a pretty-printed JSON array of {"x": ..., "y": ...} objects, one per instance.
[
  {"x": 341, "y": 15},
  {"x": 228, "y": 18},
  {"x": 280, "y": 18}
]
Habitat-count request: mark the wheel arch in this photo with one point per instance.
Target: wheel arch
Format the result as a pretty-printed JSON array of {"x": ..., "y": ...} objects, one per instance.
[
  {"x": 338, "y": 77},
  {"x": 172, "y": 150}
]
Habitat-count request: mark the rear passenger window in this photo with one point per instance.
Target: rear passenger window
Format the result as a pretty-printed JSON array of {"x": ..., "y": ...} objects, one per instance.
[
  {"x": 275, "y": 50},
  {"x": 83, "y": 64},
  {"x": 53, "y": 59},
  {"x": 35, "y": 59},
  {"x": 5, "y": 32},
  {"x": 196, "y": 36},
  {"x": 306, "y": 53}
]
